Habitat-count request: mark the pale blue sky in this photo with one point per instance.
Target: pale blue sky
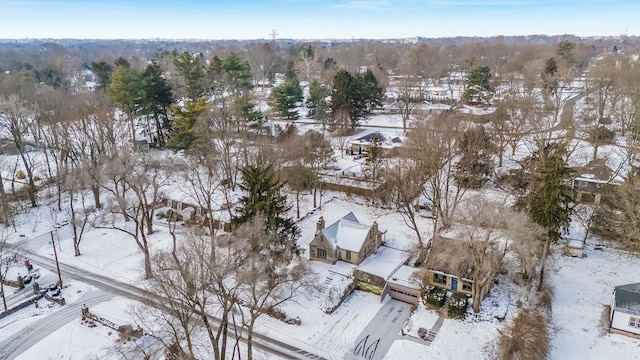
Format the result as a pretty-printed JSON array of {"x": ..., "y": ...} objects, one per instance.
[{"x": 313, "y": 19}]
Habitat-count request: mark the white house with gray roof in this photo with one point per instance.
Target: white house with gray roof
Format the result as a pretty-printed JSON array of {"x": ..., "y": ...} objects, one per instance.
[
  {"x": 346, "y": 239},
  {"x": 625, "y": 310}
]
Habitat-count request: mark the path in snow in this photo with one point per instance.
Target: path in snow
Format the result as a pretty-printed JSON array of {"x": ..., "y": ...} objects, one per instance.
[
  {"x": 37, "y": 331},
  {"x": 376, "y": 339}
]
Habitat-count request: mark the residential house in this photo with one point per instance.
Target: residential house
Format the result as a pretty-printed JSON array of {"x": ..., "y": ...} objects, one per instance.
[
  {"x": 444, "y": 274},
  {"x": 387, "y": 142},
  {"x": 193, "y": 214},
  {"x": 625, "y": 310},
  {"x": 347, "y": 239},
  {"x": 592, "y": 179}
]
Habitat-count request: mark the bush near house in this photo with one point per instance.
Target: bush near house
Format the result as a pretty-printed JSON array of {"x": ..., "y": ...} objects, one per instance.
[
  {"x": 436, "y": 297},
  {"x": 457, "y": 306},
  {"x": 361, "y": 285}
]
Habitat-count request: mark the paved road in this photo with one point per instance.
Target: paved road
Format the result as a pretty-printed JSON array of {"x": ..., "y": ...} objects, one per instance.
[
  {"x": 271, "y": 346},
  {"x": 37, "y": 331},
  {"x": 376, "y": 339}
]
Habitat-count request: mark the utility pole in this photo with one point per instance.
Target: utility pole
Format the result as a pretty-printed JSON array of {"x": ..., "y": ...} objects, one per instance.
[{"x": 55, "y": 253}]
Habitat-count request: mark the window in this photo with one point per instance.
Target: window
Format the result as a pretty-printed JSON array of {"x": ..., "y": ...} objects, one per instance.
[
  {"x": 179, "y": 206},
  {"x": 199, "y": 211},
  {"x": 348, "y": 255},
  {"x": 440, "y": 279},
  {"x": 321, "y": 253},
  {"x": 634, "y": 321},
  {"x": 169, "y": 203},
  {"x": 466, "y": 286}
]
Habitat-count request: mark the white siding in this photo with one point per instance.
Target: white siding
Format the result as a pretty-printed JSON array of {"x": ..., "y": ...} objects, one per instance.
[{"x": 621, "y": 322}]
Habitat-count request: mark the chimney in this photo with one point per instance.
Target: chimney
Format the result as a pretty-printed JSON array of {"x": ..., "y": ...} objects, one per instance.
[
  {"x": 320, "y": 224},
  {"x": 376, "y": 236}
]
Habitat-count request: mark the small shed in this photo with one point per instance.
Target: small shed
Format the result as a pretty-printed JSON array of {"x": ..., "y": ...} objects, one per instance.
[
  {"x": 574, "y": 247},
  {"x": 625, "y": 310}
]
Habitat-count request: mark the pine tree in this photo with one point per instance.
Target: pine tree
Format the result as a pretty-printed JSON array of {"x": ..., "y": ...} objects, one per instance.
[
  {"x": 478, "y": 81},
  {"x": 287, "y": 96},
  {"x": 346, "y": 97},
  {"x": 371, "y": 90},
  {"x": 263, "y": 196},
  {"x": 103, "y": 71},
  {"x": 476, "y": 164},
  {"x": 158, "y": 97},
  {"x": 190, "y": 68},
  {"x": 551, "y": 198},
  {"x": 185, "y": 118}
]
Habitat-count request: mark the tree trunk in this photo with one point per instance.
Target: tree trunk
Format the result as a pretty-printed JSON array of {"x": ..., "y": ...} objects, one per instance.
[
  {"x": 32, "y": 185},
  {"x": 315, "y": 192},
  {"x": 250, "y": 339},
  {"x": 4, "y": 301},
  {"x": 76, "y": 238},
  {"x": 547, "y": 243},
  {"x": 3, "y": 199},
  {"x": 95, "y": 189}
]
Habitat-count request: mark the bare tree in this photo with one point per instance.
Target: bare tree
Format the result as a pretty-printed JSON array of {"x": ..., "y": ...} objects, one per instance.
[
  {"x": 307, "y": 65},
  {"x": 266, "y": 281},
  {"x": 9, "y": 257},
  {"x": 17, "y": 117},
  {"x": 433, "y": 147},
  {"x": 403, "y": 182},
  {"x": 486, "y": 230},
  {"x": 138, "y": 179}
]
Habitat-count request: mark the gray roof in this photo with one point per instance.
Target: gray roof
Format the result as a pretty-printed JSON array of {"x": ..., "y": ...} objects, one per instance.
[{"x": 627, "y": 298}]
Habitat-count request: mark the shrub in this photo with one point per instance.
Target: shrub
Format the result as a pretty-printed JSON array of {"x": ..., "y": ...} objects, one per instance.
[
  {"x": 437, "y": 296},
  {"x": 526, "y": 338},
  {"x": 128, "y": 333},
  {"x": 457, "y": 306},
  {"x": 20, "y": 175}
]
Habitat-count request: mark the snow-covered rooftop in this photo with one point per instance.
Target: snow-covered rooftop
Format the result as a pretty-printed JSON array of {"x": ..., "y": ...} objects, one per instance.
[
  {"x": 347, "y": 233},
  {"x": 384, "y": 263}
]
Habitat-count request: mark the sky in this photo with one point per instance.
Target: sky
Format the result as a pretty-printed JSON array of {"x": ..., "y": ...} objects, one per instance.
[{"x": 313, "y": 19}]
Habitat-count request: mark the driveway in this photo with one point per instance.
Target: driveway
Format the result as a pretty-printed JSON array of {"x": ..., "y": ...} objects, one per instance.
[{"x": 376, "y": 339}]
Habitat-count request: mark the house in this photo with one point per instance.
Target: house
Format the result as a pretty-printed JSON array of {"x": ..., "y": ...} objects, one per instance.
[
  {"x": 193, "y": 214},
  {"x": 347, "y": 239},
  {"x": 625, "y": 310},
  {"x": 444, "y": 274},
  {"x": 592, "y": 179},
  {"x": 387, "y": 142},
  {"x": 401, "y": 285}
]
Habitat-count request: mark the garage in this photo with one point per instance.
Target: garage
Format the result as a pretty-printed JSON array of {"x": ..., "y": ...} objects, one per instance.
[{"x": 400, "y": 286}]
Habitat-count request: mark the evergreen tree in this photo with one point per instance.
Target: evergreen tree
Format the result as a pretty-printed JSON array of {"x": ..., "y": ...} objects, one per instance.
[
  {"x": 287, "y": 96},
  {"x": 317, "y": 96},
  {"x": 102, "y": 70},
  {"x": 263, "y": 196},
  {"x": 122, "y": 62},
  {"x": 236, "y": 74},
  {"x": 189, "y": 67},
  {"x": 245, "y": 113},
  {"x": 346, "y": 98},
  {"x": 371, "y": 90},
  {"x": 478, "y": 81},
  {"x": 476, "y": 164},
  {"x": 158, "y": 97},
  {"x": 550, "y": 198},
  {"x": 185, "y": 118}
]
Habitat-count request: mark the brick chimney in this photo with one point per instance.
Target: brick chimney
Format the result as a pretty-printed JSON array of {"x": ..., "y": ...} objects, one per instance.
[
  {"x": 376, "y": 236},
  {"x": 320, "y": 225}
]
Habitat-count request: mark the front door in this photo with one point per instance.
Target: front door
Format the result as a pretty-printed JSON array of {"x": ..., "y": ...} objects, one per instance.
[{"x": 454, "y": 284}]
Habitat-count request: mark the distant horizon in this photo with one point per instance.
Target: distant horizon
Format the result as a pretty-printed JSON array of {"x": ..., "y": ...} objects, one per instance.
[
  {"x": 314, "y": 19},
  {"x": 317, "y": 39}
]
